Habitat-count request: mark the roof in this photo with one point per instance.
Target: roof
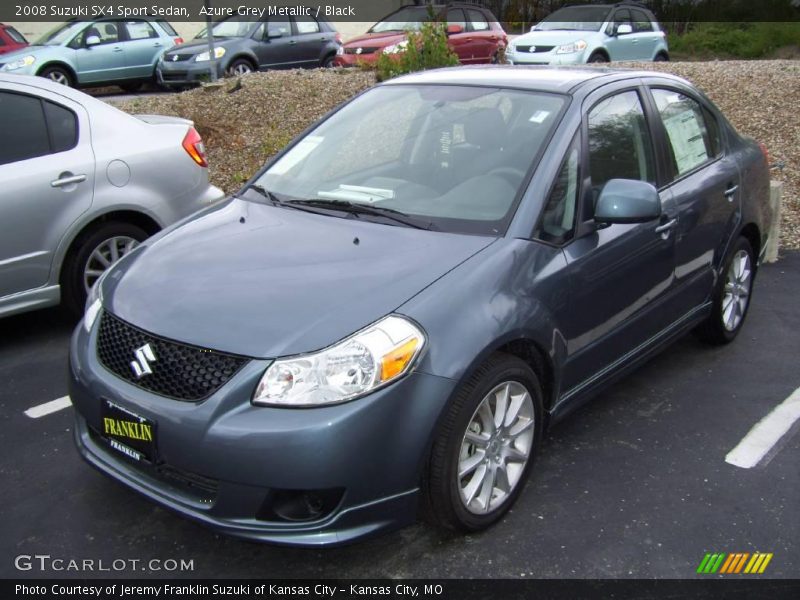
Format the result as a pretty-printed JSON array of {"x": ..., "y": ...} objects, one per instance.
[{"x": 540, "y": 78}]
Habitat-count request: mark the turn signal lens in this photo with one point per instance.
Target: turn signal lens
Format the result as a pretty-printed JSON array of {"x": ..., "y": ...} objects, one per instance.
[{"x": 396, "y": 361}]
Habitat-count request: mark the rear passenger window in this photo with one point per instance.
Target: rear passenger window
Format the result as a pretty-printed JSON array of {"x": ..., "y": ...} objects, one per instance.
[
  {"x": 479, "y": 22},
  {"x": 619, "y": 141},
  {"x": 641, "y": 22},
  {"x": 24, "y": 128},
  {"x": 691, "y": 141},
  {"x": 307, "y": 26},
  {"x": 140, "y": 30},
  {"x": 63, "y": 127}
]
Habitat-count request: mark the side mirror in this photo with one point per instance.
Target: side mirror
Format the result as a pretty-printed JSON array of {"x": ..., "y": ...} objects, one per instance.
[
  {"x": 627, "y": 201},
  {"x": 624, "y": 29},
  {"x": 454, "y": 29},
  {"x": 273, "y": 34},
  {"x": 92, "y": 40},
  {"x": 534, "y": 27}
]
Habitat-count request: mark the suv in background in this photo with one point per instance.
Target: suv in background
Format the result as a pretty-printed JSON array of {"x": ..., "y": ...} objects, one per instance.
[
  {"x": 244, "y": 46},
  {"x": 473, "y": 33},
  {"x": 93, "y": 53},
  {"x": 11, "y": 39},
  {"x": 592, "y": 34}
]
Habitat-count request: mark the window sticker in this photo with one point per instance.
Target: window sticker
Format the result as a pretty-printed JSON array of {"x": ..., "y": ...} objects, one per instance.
[
  {"x": 539, "y": 116},
  {"x": 686, "y": 137}
]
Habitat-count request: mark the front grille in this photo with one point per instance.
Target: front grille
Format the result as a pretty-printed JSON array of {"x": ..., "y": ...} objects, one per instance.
[
  {"x": 178, "y": 371},
  {"x": 363, "y": 50},
  {"x": 536, "y": 49},
  {"x": 181, "y": 57}
]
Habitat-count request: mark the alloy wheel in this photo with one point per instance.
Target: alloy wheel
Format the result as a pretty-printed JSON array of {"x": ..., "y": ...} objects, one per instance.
[
  {"x": 58, "y": 77},
  {"x": 736, "y": 293},
  {"x": 241, "y": 68},
  {"x": 104, "y": 255},
  {"x": 495, "y": 447}
]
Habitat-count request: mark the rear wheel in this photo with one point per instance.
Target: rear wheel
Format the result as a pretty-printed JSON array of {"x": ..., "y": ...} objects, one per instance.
[
  {"x": 485, "y": 447},
  {"x": 131, "y": 87},
  {"x": 95, "y": 251},
  {"x": 731, "y": 297},
  {"x": 240, "y": 67},
  {"x": 58, "y": 75}
]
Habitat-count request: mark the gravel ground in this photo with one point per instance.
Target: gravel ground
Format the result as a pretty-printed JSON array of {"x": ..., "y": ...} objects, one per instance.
[{"x": 243, "y": 128}]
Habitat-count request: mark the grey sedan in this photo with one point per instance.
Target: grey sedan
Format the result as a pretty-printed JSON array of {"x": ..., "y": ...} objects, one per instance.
[
  {"x": 389, "y": 316},
  {"x": 82, "y": 184}
]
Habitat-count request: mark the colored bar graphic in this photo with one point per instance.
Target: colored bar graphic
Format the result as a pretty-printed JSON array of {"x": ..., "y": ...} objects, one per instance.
[{"x": 734, "y": 563}]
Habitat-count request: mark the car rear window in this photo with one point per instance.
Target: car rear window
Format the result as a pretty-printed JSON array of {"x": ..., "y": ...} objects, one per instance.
[
  {"x": 168, "y": 28},
  {"x": 62, "y": 125}
]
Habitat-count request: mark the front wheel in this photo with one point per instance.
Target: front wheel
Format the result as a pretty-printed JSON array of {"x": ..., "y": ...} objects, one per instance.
[
  {"x": 95, "y": 251},
  {"x": 485, "y": 447},
  {"x": 240, "y": 67},
  {"x": 598, "y": 57},
  {"x": 731, "y": 298},
  {"x": 57, "y": 75}
]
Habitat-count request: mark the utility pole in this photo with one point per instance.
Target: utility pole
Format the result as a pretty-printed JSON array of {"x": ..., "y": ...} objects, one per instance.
[{"x": 212, "y": 60}]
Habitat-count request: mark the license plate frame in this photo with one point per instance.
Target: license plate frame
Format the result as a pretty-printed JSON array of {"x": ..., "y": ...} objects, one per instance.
[{"x": 128, "y": 433}]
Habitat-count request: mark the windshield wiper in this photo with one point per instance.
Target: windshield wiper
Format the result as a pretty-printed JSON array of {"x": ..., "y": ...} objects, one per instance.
[
  {"x": 357, "y": 208},
  {"x": 262, "y": 191}
]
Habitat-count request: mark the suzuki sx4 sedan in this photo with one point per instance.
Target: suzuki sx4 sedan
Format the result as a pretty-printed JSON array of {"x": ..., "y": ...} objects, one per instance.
[{"x": 384, "y": 321}]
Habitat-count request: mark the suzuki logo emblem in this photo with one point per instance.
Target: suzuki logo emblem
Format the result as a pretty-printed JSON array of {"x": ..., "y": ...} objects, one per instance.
[
  {"x": 174, "y": 58},
  {"x": 141, "y": 366},
  {"x": 532, "y": 49},
  {"x": 359, "y": 50}
]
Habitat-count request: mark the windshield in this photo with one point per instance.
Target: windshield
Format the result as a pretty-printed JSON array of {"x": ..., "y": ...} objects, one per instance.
[
  {"x": 450, "y": 156},
  {"x": 405, "y": 19},
  {"x": 15, "y": 35},
  {"x": 61, "y": 34},
  {"x": 576, "y": 18}
]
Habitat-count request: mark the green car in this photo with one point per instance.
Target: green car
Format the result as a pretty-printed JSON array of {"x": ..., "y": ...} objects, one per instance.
[{"x": 120, "y": 52}]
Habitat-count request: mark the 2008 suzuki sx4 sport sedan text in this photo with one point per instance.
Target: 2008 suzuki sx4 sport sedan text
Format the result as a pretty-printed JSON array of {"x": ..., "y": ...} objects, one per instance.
[{"x": 386, "y": 318}]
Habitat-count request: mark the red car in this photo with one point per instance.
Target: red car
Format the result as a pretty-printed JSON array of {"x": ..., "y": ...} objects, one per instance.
[
  {"x": 473, "y": 33},
  {"x": 10, "y": 39}
]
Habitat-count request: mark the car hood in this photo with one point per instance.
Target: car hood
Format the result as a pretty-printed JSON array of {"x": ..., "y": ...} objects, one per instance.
[
  {"x": 263, "y": 281},
  {"x": 552, "y": 38},
  {"x": 201, "y": 45},
  {"x": 376, "y": 40}
]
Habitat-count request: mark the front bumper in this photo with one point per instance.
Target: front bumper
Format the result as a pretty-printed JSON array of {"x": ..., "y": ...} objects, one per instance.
[
  {"x": 185, "y": 72},
  {"x": 353, "y": 60},
  {"x": 545, "y": 58},
  {"x": 222, "y": 461}
]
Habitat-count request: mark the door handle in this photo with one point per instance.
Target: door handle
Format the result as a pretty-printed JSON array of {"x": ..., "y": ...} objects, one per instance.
[
  {"x": 117, "y": 49},
  {"x": 666, "y": 227},
  {"x": 157, "y": 45},
  {"x": 67, "y": 179},
  {"x": 730, "y": 192},
  {"x": 292, "y": 42}
]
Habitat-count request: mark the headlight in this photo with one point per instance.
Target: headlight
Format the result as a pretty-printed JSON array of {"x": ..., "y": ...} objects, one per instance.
[
  {"x": 571, "y": 48},
  {"x": 219, "y": 52},
  {"x": 25, "y": 61},
  {"x": 357, "y": 365},
  {"x": 94, "y": 302},
  {"x": 395, "y": 48}
]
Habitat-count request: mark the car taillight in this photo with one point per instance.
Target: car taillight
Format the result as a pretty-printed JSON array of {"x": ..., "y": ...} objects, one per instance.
[
  {"x": 193, "y": 144},
  {"x": 178, "y": 40}
]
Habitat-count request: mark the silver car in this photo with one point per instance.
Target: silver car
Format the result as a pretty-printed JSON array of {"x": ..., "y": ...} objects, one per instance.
[{"x": 82, "y": 183}]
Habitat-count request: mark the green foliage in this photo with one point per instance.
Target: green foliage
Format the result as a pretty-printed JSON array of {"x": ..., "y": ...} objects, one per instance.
[
  {"x": 426, "y": 49},
  {"x": 734, "y": 40}
]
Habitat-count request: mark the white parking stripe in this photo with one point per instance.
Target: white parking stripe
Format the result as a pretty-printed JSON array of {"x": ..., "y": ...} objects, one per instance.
[
  {"x": 49, "y": 407},
  {"x": 766, "y": 433}
]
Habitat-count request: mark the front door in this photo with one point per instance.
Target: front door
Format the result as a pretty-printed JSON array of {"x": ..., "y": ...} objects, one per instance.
[
  {"x": 621, "y": 274},
  {"x": 104, "y": 61},
  {"x": 47, "y": 178}
]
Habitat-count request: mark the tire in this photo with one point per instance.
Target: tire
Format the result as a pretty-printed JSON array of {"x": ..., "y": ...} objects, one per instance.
[
  {"x": 446, "y": 493},
  {"x": 731, "y": 299},
  {"x": 661, "y": 57},
  {"x": 598, "y": 57},
  {"x": 58, "y": 75},
  {"x": 240, "y": 67},
  {"x": 82, "y": 268},
  {"x": 327, "y": 62}
]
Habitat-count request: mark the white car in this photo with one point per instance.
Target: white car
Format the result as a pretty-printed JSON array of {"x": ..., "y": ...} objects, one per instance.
[
  {"x": 592, "y": 34},
  {"x": 84, "y": 183}
]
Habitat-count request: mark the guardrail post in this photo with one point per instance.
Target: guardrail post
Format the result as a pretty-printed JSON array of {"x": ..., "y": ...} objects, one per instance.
[{"x": 775, "y": 193}]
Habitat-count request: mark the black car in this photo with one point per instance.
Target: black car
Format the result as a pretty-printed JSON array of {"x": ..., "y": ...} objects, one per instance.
[{"x": 244, "y": 46}]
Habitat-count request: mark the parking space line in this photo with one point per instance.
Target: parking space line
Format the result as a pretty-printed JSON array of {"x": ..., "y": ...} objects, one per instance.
[
  {"x": 766, "y": 433},
  {"x": 48, "y": 407}
]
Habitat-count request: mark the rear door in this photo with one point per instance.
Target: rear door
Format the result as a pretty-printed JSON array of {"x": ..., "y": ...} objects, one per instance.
[
  {"x": 141, "y": 45},
  {"x": 47, "y": 178},
  {"x": 704, "y": 182},
  {"x": 620, "y": 275},
  {"x": 310, "y": 40}
]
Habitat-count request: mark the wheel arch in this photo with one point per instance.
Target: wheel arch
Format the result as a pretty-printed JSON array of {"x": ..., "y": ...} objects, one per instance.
[
  {"x": 244, "y": 56},
  {"x": 599, "y": 50},
  {"x": 63, "y": 65},
  {"x": 752, "y": 234}
]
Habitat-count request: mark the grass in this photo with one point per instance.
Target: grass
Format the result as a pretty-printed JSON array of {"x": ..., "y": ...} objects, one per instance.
[{"x": 734, "y": 40}]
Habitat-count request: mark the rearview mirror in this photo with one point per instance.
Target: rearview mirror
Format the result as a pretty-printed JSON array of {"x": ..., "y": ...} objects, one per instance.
[
  {"x": 453, "y": 29},
  {"x": 627, "y": 201},
  {"x": 624, "y": 29},
  {"x": 92, "y": 40}
]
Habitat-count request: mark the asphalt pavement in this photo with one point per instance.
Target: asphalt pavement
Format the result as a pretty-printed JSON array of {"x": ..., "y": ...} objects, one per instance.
[{"x": 635, "y": 484}]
